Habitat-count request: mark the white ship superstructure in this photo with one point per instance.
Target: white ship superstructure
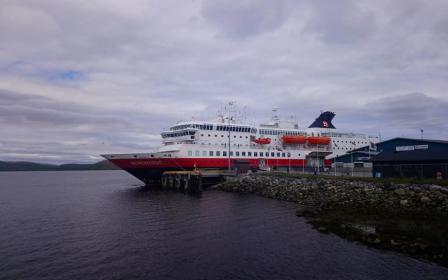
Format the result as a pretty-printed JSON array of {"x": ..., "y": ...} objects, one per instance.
[{"x": 226, "y": 144}]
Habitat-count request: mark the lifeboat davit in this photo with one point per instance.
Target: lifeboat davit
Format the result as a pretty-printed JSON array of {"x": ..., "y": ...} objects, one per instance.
[
  {"x": 319, "y": 140},
  {"x": 289, "y": 139},
  {"x": 262, "y": 141}
]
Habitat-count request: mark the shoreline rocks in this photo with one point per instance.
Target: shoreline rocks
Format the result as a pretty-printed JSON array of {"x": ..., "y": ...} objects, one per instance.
[
  {"x": 408, "y": 218},
  {"x": 324, "y": 194}
]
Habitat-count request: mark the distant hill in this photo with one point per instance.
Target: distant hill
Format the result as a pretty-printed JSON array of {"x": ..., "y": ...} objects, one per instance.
[{"x": 33, "y": 166}]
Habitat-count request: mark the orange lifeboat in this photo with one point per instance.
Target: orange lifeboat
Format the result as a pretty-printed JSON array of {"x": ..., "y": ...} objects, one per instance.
[
  {"x": 289, "y": 139},
  {"x": 262, "y": 141},
  {"x": 319, "y": 140}
]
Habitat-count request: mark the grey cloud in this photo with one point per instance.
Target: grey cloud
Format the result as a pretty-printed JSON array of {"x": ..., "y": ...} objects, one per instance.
[
  {"x": 242, "y": 19},
  {"x": 411, "y": 111},
  {"x": 341, "y": 22},
  {"x": 27, "y": 109},
  {"x": 45, "y": 129}
]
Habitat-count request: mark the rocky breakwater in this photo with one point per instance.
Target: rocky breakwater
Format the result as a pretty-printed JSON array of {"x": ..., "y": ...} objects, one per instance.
[{"x": 408, "y": 218}]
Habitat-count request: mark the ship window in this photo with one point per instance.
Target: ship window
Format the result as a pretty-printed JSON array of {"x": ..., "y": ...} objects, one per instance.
[
  {"x": 231, "y": 153},
  {"x": 241, "y": 136},
  {"x": 196, "y": 153},
  {"x": 210, "y": 153},
  {"x": 255, "y": 154},
  {"x": 209, "y": 135},
  {"x": 237, "y": 154},
  {"x": 218, "y": 153},
  {"x": 190, "y": 153},
  {"x": 283, "y": 155},
  {"x": 243, "y": 154},
  {"x": 234, "y": 136},
  {"x": 222, "y": 135},
  {"x": 202, "y": 134},
  {"x": 289, "y": 154},
  {"x": 267, "y": 154},
  {"x": 216, "y": 135},
  {"x": 278, "y": 154},
  {"x": 204, "y": 153},
  {"x": 224, "y": 153},
  {"x": 249, "y": 154},
  {"x": 272, "y": 154}
]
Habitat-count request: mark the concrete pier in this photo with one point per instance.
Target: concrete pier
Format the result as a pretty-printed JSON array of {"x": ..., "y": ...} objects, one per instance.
[{"x": 193, "y": 181}]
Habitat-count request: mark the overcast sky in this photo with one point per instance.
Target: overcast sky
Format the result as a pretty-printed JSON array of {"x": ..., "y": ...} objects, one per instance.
[{"x": 84, "y": 77}]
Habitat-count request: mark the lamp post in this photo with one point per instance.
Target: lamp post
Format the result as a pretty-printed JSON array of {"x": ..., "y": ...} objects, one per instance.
[
  {"x": 353, "y": 166},
  {"x": 228, "y": 152},
  {"x": 303, "y": 165},
  {"x": 228, "y": 128},
  {"x": 351, "y": 156},
  {"x": 317, "y": 157},
  {"x": 289, "y": 164}
]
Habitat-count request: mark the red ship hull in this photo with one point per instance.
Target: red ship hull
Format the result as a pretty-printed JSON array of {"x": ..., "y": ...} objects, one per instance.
[{"x": 150, "y": 170}]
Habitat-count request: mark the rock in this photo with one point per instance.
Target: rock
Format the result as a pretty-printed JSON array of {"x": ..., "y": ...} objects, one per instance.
[
  {"x": 305, "y": 211},
  {"x": 322, "y": 229},
  {"x": 438, "y": 188},
  {"x": 425, "y": 199},
  {"x": 400, "y": 192},
  {"x": 404, "y": 202}
]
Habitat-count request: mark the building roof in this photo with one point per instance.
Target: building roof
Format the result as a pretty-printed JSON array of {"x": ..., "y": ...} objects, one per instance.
[{"x": 415, "y": 139}]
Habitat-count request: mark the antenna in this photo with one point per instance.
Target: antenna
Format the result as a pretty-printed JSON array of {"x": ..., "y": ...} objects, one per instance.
[
  {"x": 275, "y": 117},
  {"x": 244, "y": 116}
]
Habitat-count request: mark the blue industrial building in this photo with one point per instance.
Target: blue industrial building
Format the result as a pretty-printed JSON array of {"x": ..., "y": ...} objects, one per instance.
[{"x": 403, "y": 157}]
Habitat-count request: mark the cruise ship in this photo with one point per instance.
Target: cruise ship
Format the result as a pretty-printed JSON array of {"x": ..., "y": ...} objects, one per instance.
[{"x": 228, "y": 144}]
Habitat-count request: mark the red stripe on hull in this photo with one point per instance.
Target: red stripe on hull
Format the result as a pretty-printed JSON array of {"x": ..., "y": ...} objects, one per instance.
[{"x": 187, "y": 163}]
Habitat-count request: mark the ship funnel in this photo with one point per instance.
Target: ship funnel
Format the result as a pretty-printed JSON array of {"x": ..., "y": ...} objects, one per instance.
[{"x": 324, "y": 120}]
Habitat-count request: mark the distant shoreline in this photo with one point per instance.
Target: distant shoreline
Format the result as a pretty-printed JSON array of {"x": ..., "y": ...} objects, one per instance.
[{"x": 33, "y": 166}]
